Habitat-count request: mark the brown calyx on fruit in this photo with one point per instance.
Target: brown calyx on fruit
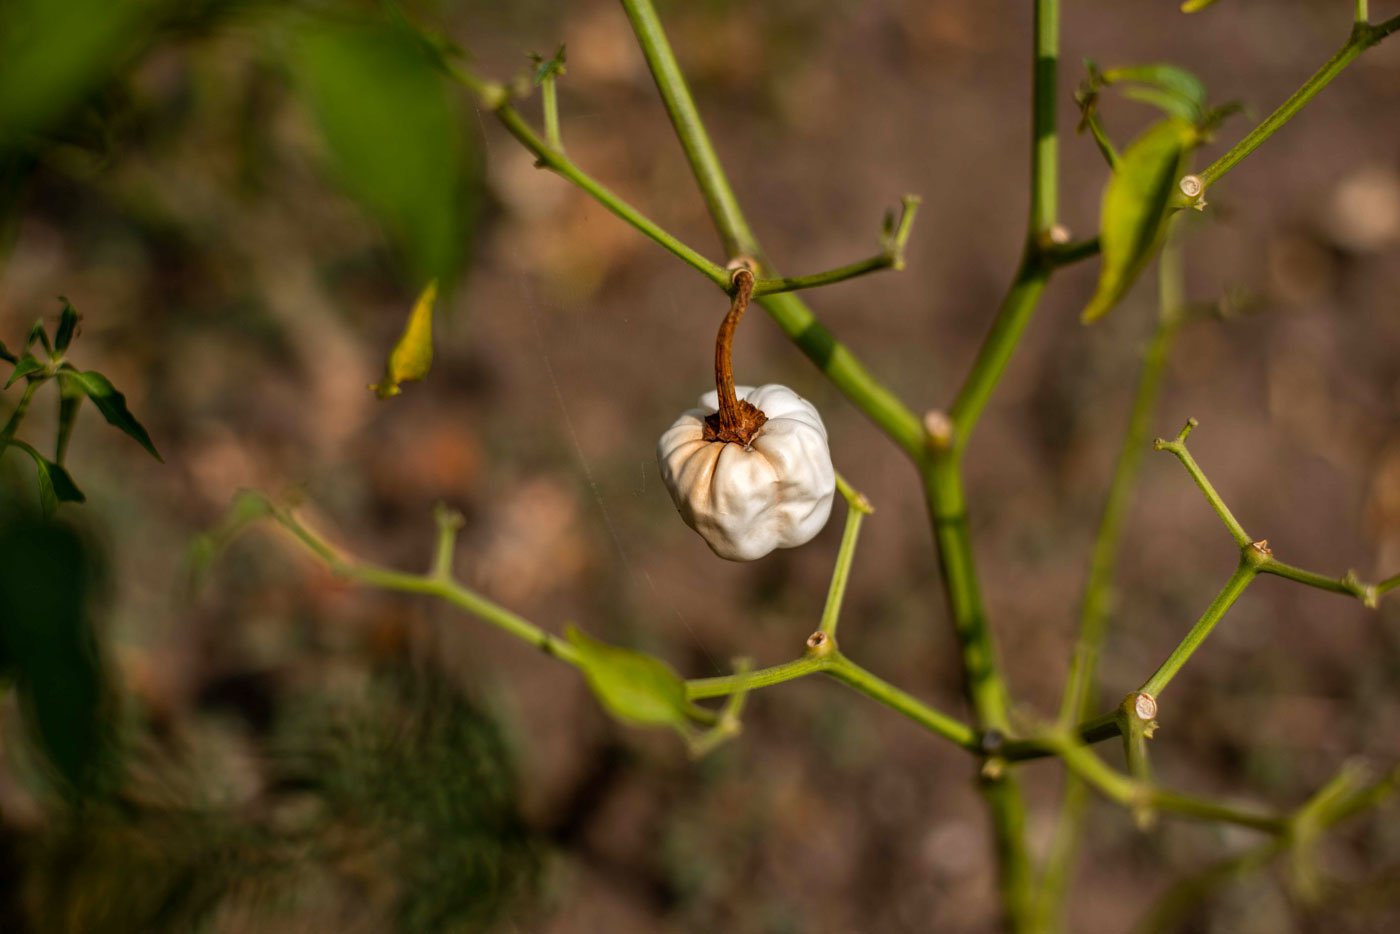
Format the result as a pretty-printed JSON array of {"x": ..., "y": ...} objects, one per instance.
[{"x": 736, "y": 422}]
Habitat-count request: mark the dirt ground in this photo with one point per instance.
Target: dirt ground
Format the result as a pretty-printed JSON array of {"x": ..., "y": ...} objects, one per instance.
[{"x": 243, "y": 304}]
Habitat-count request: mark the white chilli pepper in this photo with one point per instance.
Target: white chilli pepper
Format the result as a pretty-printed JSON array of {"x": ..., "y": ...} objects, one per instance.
[{"x": 751, "y": 469}]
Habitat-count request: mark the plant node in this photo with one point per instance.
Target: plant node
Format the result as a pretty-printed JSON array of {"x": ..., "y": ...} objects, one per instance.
[
  {"x": 939, "y": 428},
  {"x": 820, "y": 644}
]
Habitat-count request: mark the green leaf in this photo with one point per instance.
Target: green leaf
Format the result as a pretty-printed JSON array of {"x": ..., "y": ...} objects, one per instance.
[
  {"x": 27, "y": 365},
  {"x": 53, "y": 54},
  {"x": 111, "y": 403},
  {"x": 55, "y": 484},
  {"x": 1168, "y": 78},
  {"x": 546, "y": 68},
  {"x": 1136, "y": 204},
  {"x": 1169, "y": 102},
  {"x": 37, "y": 333},
  {"x": 631, "y": 686},
  {"x": 393, "y": 129},
  {"x": 48, "y": 576},
  {"x": 70, "y": 399},
  {"x": 67, "y": 326},
  {"x": 6, "y": 355},
  {"x": 412, "y": 356}
]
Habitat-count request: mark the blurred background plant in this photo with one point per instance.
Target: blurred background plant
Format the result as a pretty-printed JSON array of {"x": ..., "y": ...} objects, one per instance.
[{"x": 244, "y": 208}]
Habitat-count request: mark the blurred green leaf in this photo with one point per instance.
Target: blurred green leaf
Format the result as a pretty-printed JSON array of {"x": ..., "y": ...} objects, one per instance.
[
  {"x": 1136, "y": 204},
  {"x": 394, "y": 131},
  {"x": 52, "y": 54},
  {"x": 412, "y": 356},
  {"x": 55, "y": 484},
  {"x": 6, "y": 355},
  {"x": 1169, "y": 78},
  {"x": 48, "y": 574},
  {"x": 37, "y": 333},
  {"x": 1195, "y": 6},
  {"x": 633, "y": 687},
  {"x": 67, "y": 327},
  {"x": 70, "y": 400},
  {"x": 111, "y": 403},
  {"x": 26, "y": 365}
]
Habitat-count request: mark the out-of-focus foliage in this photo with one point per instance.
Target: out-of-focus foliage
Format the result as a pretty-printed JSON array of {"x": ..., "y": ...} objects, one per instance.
[
  {"x": 393, "y": 129},
  {"x": 389, "y": 808},
  {"x": 48, "y": 578}
]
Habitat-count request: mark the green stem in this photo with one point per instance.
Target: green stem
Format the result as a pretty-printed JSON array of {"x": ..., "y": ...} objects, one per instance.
[
  {"x": 1225, "y": 599},
  {"x": 845, "y": 555},
  {"x": 497, "y": 100},
  {"x": 1015, "y": 878},
  {"x": 1363, "y": 12},
  {"x": 1078, "y": 700},
  {"x": 549, "y": 101},
  {"x": 948, "y": 513},
  {"x": 675, "y": 94},
  {"x": 881, "y": 691},
  {"x": 1178, "y": 448},
  {"x": 1348, "y": 584},
  {"x": 21, "y": 409},
  {"x": 846, "y": 372},
  {"x": 891, "y": 256},
  {"x": 446, "y": 590},
  {"x": 559, "y": 163},
  {"x": 1137, "y": 795},
  {"x": 1362, "y": 38},
  {"x": 1000, "y": 343},
  {"x": 1044, "y": 131},
  {"x": 1079, "y": 695},
  {"x": 829, "y": 277},
  {"x": 702, "y": 688}
]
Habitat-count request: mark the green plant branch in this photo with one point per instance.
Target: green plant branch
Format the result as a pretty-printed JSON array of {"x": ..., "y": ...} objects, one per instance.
[
  {"x": 1337, "y": 802},
  {"x": 792, "y": 315},
  {"x": 1137, "y": 795},
  {"x": 1067, "y": 254},
  {"x": 1363, "y": 36},
  {"x": 1348, "y": 584},
  {"x": 1079, "y": 697},
  {"x": 1078, "y": 700},
  {"x": 724, "y": 685},
  {"x": 1234, "y": 587},
  {"x": 1000, "y": 343},
  {"x": 1045, "y": 136},
  {"x": 433, "y": 584},
  {"x": 1178, "y": 448},
  {"x": 877, "y": 689},
  {"x": 891, "y": 256},
  {"x": 21, "y": 409},
  {"x": 549, "y": 99},
  {"x": 846, "y": 372},
  {"x": 496, "y": 98},
  {"x": 733, "y": 228},
  {"x": 857, "y": 508},
  {"x": 948, "y": 513}
]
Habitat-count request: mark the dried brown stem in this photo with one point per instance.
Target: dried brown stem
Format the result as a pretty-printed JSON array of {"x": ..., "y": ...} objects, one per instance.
[{"x": 735, "y": 421}]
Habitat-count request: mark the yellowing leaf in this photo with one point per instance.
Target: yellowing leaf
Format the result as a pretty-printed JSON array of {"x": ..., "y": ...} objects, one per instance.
[
  {"x": 1136, "y": 205},
  {"x": 412, "y": 356},
  {"x": 1195, "y": 6}
]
